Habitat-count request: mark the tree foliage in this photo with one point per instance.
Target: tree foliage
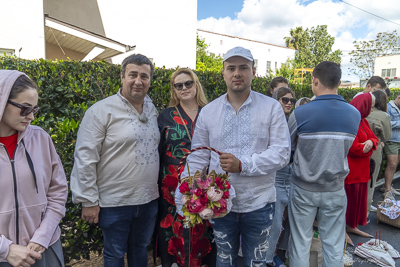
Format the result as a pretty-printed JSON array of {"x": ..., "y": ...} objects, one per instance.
[
  {"x": 206, "y": 61},
  {"x": 365, "y": 52},
  {"x": 314, "y": 45}
]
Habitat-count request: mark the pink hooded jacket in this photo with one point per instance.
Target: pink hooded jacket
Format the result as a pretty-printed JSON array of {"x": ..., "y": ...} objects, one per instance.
[{"x": 29, "y": 211}]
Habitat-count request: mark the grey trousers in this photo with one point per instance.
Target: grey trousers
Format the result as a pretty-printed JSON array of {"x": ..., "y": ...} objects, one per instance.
[
  {"x": 51, "y": 257},
  {"x": 330, "y": 209},
  {"x": 377, "y": 157}
]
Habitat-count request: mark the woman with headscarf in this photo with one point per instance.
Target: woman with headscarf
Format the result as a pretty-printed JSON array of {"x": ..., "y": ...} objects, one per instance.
[
  {"x": 356, "y": 182},
  {"x": 33, "y": 187}
]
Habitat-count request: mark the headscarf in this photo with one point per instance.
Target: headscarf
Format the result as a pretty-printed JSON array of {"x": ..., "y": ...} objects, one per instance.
[
  {"x": 7, "y": 80},
  {"x": 363, "y": 103}
]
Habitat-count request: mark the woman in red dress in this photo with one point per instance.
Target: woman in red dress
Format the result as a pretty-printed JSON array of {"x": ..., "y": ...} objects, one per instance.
[{"x": 356, "y": 182}]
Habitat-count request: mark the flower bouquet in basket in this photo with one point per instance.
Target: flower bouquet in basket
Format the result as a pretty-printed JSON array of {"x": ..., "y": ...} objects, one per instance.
[{"x": 204, "y": 196}]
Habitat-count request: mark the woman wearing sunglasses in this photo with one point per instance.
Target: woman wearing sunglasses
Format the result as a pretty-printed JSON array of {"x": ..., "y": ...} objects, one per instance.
[
  {"x": 33, "y": 187},
  {"x": 278, "y": 239},
  {"x": 177, "y": 124}
]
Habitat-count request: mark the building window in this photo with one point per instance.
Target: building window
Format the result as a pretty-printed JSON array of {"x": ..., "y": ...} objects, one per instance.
[
  {"x": 269, "y": 50},
  {"x": 221, "y": 42},
  {"x": 255, "y": 63},
  {"x": 388, "y": 73},
  {"x": 276, "y": 65},
  {"x": 268, "y": 66},
  {"x": 7, "y": 52}
]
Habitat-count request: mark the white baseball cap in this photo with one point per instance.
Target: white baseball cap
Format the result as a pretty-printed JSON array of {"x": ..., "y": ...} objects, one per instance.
[{"x": 239, "y": 52}]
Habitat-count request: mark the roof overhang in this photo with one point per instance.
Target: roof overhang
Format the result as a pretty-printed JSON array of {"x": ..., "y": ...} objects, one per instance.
[{"x": 94, "y": 46}]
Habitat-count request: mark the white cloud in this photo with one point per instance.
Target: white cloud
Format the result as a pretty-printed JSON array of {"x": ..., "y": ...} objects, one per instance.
[{"x": 270, "y": 21}]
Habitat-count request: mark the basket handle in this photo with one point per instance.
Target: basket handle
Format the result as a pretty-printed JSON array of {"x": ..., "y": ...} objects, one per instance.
[{"x": 180, "y": 166}]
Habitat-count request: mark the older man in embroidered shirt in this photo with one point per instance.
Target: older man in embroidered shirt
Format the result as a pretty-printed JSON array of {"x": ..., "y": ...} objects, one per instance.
[
  {"x": 251, "y": 130},
  {"x": 116, "y": 166}
]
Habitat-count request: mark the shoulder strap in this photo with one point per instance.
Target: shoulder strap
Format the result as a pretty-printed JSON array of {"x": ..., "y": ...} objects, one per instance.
[{"x": 30, "y": 163}]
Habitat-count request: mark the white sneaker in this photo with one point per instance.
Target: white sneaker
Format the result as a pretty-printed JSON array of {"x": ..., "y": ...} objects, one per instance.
[
  {"x": 372, "y": 209},
  {"x": 395, "y": 192}
]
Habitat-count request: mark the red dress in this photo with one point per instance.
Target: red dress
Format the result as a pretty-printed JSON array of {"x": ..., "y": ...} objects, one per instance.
[{"x": 356, "y": 182}]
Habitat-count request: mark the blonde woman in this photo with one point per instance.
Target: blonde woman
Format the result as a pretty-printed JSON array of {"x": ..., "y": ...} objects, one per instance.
[{"x": 177, "y": 124}]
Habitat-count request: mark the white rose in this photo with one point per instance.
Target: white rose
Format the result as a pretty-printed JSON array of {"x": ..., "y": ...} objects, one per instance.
[
  {"x": 206, "y": 214},
  {"x": 214, "y": 194}
]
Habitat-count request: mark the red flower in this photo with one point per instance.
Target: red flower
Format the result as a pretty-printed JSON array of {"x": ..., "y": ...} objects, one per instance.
[
  {"x": 183, "y": 143},
  {"x": 175, "y": 247},
  {"x": 175, "y": 113},
  {"x": 200, "y": 248},
  {"x": 179, "y": 121},
  {"x": 218, "y": 210},
  {"x": 167, "y": 221},
  {"x": 204, "y": 199},
  {"x": 185, "y": 150},
  {"x": 168, "y": 153},
  {"x": 198, "y": 192},
  {"x": 218, "y": 181},
  {"x": 177, "y": 228},
  {"x": 168, "y": 195},
  {"x": 180, "y": 217},
  {"x": 221, "y": 187},
  {"x": 227, "y": 185},
  {"x": 226, "y": 195},
  {"x": 198, "y": 231},
  {"x": 184, "y": 187},
  {"x": 195, "y": 206},
  {"x": 169, "y": 184}
]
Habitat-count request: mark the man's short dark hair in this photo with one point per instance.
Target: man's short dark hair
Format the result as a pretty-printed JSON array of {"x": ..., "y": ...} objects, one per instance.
[
  {"x": 137, "y": 59},
  {"x": 374, "y": 80},
  {"x": 328, "y": 73},
  {"x": 388, "y": 92}
]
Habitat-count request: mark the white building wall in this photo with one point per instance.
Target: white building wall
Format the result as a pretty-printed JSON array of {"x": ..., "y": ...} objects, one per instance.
[
  {"x": 22, "y": 26},
  {"x": 387, "y": 62},
  {"x": 262, "y": 52},
  {"x": 162, "y": 30}
]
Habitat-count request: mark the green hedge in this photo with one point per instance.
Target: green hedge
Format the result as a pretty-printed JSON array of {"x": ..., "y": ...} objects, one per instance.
[{"x": 68, "y": 88}]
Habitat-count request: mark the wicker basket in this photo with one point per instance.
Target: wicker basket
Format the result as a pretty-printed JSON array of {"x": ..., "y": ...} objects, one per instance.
[{"x": 380, "y": 217}]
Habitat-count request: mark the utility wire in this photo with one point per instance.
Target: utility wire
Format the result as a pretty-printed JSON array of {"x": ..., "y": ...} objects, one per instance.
[{"x": 370, "y": 13}]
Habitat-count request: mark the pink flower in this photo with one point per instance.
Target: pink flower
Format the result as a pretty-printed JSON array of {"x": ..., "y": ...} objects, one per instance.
[
  {"x": 214, "y": 194},
  {"x": 206, "y": 214},
  {"x": 204, "y": 184},
  {"x": 195, "y": 206},
  {"x": 218, "y": 210},
  {"x": 227, "y": 185}
]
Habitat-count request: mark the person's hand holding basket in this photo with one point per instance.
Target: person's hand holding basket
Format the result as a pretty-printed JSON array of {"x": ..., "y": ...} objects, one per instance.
[{"x": 203, "y": 196}]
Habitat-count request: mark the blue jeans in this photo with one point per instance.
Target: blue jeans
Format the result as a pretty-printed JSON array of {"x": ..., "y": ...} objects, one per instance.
[
  {"x": 253, "y": 227},
  {"x": 282, "y": 185},
  {"x": 127, "y": 229}
]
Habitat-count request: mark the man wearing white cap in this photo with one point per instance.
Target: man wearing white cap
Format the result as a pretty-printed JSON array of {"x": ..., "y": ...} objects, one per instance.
[{"x": 251, "y": 131}]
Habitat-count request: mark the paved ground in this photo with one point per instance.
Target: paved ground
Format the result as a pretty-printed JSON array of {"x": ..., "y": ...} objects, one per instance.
[{"x": 389, "y": 233}]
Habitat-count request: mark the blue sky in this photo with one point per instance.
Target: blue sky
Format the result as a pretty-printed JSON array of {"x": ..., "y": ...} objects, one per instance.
[{"x": 270, "y": 20}]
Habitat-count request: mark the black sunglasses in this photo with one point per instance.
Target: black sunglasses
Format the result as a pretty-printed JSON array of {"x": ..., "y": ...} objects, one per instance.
[
  {"x": 179, "y": 86},
  {"x": 285, "y": 100},
  {"x": 25, "y": 110}
]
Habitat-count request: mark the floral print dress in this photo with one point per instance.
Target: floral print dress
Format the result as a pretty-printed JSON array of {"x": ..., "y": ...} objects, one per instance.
[{"x": 173, "y": 239}]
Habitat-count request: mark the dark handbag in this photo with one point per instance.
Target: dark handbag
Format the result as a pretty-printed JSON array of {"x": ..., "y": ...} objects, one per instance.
[{"x": 371, "y": 167}]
